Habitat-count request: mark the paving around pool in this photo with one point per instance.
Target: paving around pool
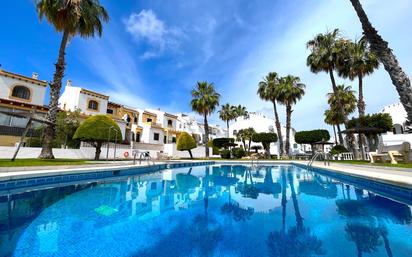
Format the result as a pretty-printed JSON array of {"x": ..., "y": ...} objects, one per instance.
[{"x": 208, "y": 208}]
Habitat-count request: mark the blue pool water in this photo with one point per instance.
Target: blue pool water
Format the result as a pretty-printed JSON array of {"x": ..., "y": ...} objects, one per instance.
[{"x": 217, "y": 210}]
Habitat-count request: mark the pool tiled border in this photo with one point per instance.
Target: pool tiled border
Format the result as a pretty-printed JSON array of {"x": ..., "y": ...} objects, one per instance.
[{"x": 41, "y": 180}]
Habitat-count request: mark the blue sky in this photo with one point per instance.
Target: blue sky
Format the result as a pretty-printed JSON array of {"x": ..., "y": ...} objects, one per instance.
[{"x": 153, "y": 52}]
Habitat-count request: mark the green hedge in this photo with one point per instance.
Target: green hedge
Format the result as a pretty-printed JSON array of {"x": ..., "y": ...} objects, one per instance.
[
  {"x": 222, "y": 142},
  {"x": 311, "y": 136},
  {"x": 225, "y": 154},
  {"x": 238, "y": 152},
  {"x": 337, "y": 149},
  {"x": 378, "y": 120}
]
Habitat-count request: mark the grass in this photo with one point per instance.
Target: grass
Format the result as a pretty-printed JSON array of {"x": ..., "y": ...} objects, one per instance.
[
  {"x": 39, "y": 162},
  {"x": 386, "y": 164}
]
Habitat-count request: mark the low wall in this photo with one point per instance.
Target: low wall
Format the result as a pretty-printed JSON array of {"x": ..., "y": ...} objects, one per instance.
[
  {"x": 7, "y": 152},
  {"x": 198, "y": 152}
]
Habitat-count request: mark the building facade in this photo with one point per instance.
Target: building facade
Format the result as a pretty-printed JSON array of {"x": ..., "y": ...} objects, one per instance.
[
  {"x": 262, "y": 124},
  {"x": 19, "y": 94},
  {"x": 399, "y": 117}
]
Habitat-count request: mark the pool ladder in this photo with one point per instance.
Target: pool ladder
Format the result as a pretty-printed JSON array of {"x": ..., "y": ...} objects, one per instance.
[
  {"x": 326, "y": 158},
  {"x": 255, "y": 161},
  {"x": 142, "y": 156}
]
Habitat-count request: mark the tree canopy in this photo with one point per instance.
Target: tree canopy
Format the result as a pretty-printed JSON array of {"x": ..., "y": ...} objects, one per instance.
[
  {"x": 186, "y": 142},
  {"x": 381, "y": 121},
  {"x": 312, "y": 136}
]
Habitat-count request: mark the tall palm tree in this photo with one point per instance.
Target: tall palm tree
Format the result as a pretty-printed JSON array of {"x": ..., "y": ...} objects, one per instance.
[
  {"x": 204, "y": 101},
  {"x": 324, "y": 56},
  {"x": 71, "y": 17},
  {"x": 385, "y": 55},
  {"x": 248, "y": 134},
  {"x": 357, "y": 63},
  {"x": 290, "y": 91},
  {"x": 268, "y": 91},
  {"x": 227, "y": 114},
  {"x": 332, "y": 118}
]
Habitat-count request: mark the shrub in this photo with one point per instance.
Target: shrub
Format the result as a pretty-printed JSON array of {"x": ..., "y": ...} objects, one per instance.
[
  {"x": 312, "y": 136},
  {"x": 95, "y": 130},
  {"x": 185, "y": 142},
  {"x": 337, "y": 149},
  {"x": 238, "y": 152},
  {"x": 222, "y": 142},
  {"x": 225, "y": 154},
  {"x": 215, "y": 149},
  {"x": 256, "y": 148},
  {"x": 265, "y": 139},
  {"x": 381, "y": 121}
]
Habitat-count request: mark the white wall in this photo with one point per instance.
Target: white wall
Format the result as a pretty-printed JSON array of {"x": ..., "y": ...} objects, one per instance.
[
  {"x": 198, "y": 152},
  {"x": 37, "y": 92}
]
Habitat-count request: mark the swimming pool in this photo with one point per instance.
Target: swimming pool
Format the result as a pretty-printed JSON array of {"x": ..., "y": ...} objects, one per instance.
[{"x": 212, "y": 210}]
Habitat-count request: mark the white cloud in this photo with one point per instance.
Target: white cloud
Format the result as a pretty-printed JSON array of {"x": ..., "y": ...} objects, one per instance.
[{"x": 145, "y": 26}]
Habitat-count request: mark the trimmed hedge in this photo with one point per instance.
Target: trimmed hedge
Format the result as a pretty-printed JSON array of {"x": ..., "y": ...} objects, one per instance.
[
  {"x": 311, "y": 136},
  {"x": 337, "y": 149},
  {"x": 186, "y": 142},
  {"x": 377, "y": 120},
  {"x": 222, "y": 142}
]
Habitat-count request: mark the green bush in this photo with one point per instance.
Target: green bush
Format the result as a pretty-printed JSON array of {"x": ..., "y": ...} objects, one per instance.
[
  {"x": 381, "y": 121},
  {"x": 222, "y": 142},
  {"x": 225, "y": 154},
  {"x": 95, "y": 129},
  {"x": 312, "y": 136},
  {"x": 265, "y": 139},
  {"x": 256, "y": 148},
  {"x": 186, "y": 142},
  {"x": 337, "y": 149},
  {"x": 238, "y": 152},
  {"x": 215, "y": 149}
]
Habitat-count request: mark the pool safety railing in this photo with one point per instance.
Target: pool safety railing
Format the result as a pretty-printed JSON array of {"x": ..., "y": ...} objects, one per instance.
[
  {"x": 326, "y": 158},
  {"x": 145, "y": 156}
]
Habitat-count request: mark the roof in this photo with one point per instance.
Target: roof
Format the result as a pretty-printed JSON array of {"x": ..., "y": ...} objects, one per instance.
[
  {"x": 17, "y": 104},
  {"x": 93, "y": 93},
  {"x": 150, "y": 113},
  {"x": 23, "y": 78},
  {"x": 170, "y": 115}
]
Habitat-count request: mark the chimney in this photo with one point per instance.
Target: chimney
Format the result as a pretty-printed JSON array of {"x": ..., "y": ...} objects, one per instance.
[
  {"x": 35, "y": 75},
  {"x": 69, "y": 83}
]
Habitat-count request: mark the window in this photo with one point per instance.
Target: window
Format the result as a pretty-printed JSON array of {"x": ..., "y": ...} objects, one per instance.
[
  {"x": 164, "y": 139},
  {"x": 295, "y": 146},
  {"x": 93, "y": 105},
  {"x": 138, "y": 137},
  {"x": 21, "y": 92},
  {"x": 109, "y": 111},
  {"x": 235, "y": 132},
  {"x": 169, "y": 123},
  {"x": 135, "y": 119},
  {"x": 149, "y": 120},
  {"x": 156, "y": 136}
]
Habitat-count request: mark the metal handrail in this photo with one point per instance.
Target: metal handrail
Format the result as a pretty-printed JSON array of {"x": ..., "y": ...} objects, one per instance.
[{"x": 142, "y": 156}]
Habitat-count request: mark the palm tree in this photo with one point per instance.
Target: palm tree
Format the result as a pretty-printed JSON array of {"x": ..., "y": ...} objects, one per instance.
[
  {"x": 248, "y": 134},
  {"x": 324, "y": 56},
  {"x": 268, "y": 91},
  {"x": 80, "y": 17},
  {"x": 239, "y": 111},
  {"x": 290, "y": 91},
  {"x": 227, "y": 114},
  {"x": 332, "y": 118},
  {"x": 347, "y": 96},
  {"x": 385, "y": 55},
  {"x": 358, "y": 63},
  {"x": 204, "y": 101}
]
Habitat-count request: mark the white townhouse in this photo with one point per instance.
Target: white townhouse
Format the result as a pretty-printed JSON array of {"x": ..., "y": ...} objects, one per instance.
[
  {"x": 23, "y": 94},
  {"x": 261, "y": 123},
  {"x": 168, "y": 122},
  {"x": 89, "y": 103},
  {"x": 152, "y": 130}
]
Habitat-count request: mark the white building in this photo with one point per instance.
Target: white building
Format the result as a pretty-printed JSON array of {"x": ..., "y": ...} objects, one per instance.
[
  {"x": 190, "y": 125},
  {"x": 399, "y": 116},
  {"x": 19, "y": 93},
  {"x": 261, "y": 123},
  {"x": 89, "y": 103}
]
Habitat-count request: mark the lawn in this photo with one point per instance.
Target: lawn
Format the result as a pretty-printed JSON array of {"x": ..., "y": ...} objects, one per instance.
[
  {"x": 39, "y": 162},
  {"x": 386, "y": 164}
]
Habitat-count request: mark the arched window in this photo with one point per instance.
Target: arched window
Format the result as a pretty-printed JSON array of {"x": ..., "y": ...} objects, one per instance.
[
  {"x": 93, "y": 105},
  {"x": 21, "y": 92}
]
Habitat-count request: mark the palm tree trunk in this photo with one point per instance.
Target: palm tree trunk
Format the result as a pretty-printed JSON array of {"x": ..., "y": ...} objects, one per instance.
[
  {"x": 49, "y": 131},
  {"x": 278, "y": 128},
  {"x": 334, "y": 132},
  {"x": 339, "y": 133},
  {"x": 361, "y": 109},
  {"x": 288, "y": 120},
  {"x": 341, "y": 110},
  {"x": 380, "y": 47},
  {"x": 227, "y": 127},
  {"x": 284, "y": 201},
  {"x": 298, "y": 216},
  {"x": 206, "y": 139}
]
